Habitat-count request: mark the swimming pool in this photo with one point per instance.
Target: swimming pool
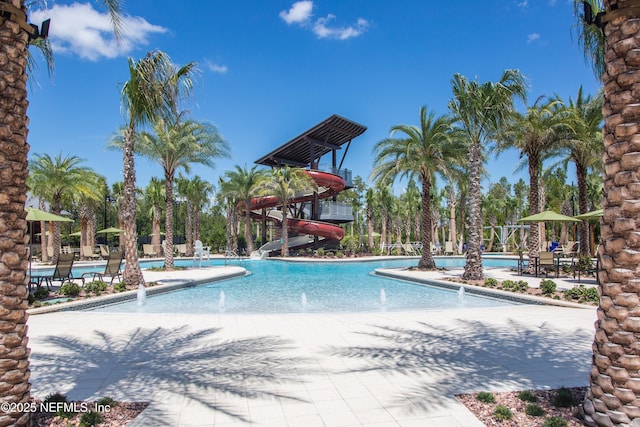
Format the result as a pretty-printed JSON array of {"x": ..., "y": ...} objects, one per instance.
[{"x": 297, "y": 287}]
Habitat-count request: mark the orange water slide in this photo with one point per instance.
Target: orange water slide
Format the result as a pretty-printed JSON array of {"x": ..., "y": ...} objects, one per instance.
[{"x": 329, "y": 185}]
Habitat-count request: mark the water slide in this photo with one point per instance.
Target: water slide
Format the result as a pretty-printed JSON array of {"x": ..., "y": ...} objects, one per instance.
[{"x": 328, "y": 185}]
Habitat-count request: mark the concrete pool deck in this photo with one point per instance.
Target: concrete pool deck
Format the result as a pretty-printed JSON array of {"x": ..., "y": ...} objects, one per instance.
[{"x": 360, "y": 369}]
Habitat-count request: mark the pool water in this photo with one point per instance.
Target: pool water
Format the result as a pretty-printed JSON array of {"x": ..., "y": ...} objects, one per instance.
[{"x": 297, "y": 287}]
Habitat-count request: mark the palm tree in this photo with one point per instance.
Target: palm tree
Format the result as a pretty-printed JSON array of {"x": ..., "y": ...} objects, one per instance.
[
  {"x": 197, "y": 194},
  {"x": 615, "y": 356},
  {"x": 242, "y": 184},
  {"x": 14, "y": 57},
  {"x": 153, "y": 91},
  {"x": 480, "y": 111},
  {"x": 536, "y": 134},
  {"x": 285, "y": 183},
  {"x": 423, "y": 151},
  {"x": 178, "y": 145},
  {"x": 58, "y": 179},
  {"x": 370, "y": 201},
  {"x": 590, "y": 37},
  {"x": 584, "y": 147}
]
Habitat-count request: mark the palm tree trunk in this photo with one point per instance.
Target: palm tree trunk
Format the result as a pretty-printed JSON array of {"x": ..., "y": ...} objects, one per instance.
[
  {"x": 452, "y": 219},
  {"x": 583, "y": 226},
  {"x": 168, "y": 224},
  {"x": 473, "y": 266},
  {"x": 132, "y": 275},
  {"x": 14, "y": 354},
  {"x": 43, "y": 235},
  {"x": 284, "y": 250},
  {"x": 614, "y": 384},
  {"x": 370, "y": 241},
  {"x": 533, "y": 244},
  {"x": 247, "y": 226},
  {"x": 426, "y": 259}
]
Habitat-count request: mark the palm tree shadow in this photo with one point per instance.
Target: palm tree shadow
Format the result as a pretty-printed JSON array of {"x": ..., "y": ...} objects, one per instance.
[
  {"x": 472, "y": 356},
  {"x": 176, "y": 361}
]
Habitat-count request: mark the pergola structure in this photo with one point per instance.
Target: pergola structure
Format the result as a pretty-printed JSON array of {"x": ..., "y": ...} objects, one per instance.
[{"x": 306, "y": 150}]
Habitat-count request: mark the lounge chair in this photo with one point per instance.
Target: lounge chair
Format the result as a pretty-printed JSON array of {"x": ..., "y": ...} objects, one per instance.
[
  {"x": 200, "y": 251},
  {"x": 548, "y": 262},
  {"x": 448, "y": 248},
  {"x": 149, "y": 251},
  {"x": 113, "y": 268},
  {"x": 87, "y": 252},
  {"x": 104, "y": 251},
  {"x": 61, "y": 273},
  {"x": 181, "y": 249}
]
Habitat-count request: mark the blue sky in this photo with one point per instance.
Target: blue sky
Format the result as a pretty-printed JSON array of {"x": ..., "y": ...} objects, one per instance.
[{"x": 272, "y": 69}]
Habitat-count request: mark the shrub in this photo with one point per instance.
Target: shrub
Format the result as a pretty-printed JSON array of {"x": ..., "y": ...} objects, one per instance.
[
  {"x": 490, "y": 282},
  {"x": 107, "y": 401},
  {"x": 522, "y": 286},
  {"x": 548, "y": 287},
  {"x": 95, "y": 287},
  {"x": 502, "y": 413},
  {"x": 508, "y": 285},
  {"x": 37, "y": 304},
  {"x": 320, "y": 251},
  {"x": 582, "y": 294},
  {"x": 563, "y": 398},
  {"x": 91, "y": 418},
  {"x": 555, "y": 422},
  {"x": 534, "y": 410},
  {"x": 70, "y": 289},
  {"x": 41, "y": 292},
  {"x": 30, "y": 298},
  {"x": 339, "y": 254},
  {"x": 59, "y": 397},
  {"x": 120, "y": 287},
  {"x": 527, "y": 396},
  {"x": 486, "y": 397}
]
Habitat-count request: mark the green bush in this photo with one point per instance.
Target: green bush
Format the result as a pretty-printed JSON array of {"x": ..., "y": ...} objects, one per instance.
[
  {"x": 320, "y": 251},
  {"x": 534, "y": 410},
  {"x": 522, "y": 286},
  {"x": 502, "y": 413},
  {"x": 582, "y": 294},
  {"x": 508, "y": 285},
  {"x": 90, "y": 419},
  {"x": 107, "y": 401},
  {"x": 555, "y": 422},
  {"x": 120, "y": 287},
  {"x": 30, "y": 298},
  {"x": 59, "y": 397},
  {"x": 563, "y": 398},
  {"x": 70, "y": 289},
  {"x": 486, "y": 397},
  {"x": 41, "y": 292},
  {"x": 95, "y": 287},
  {"x": 527, "y": 396},
  {"x": 339, "y": 254},
  {"x": 490, "y": 282},
  {"x": 548, "y": 287}
]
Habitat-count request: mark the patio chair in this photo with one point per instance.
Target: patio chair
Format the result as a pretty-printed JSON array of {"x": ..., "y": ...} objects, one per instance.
[
  {"x": 548, "y": 262},
  {"x": 523, "y": 263},
  {"x": 569, "y": 249},
  {"x": 61, "y": 273},
  {"x": 87, "y": 252},
  {"x": 148, "y": 250},
  {"x": 181, "y": 249},
  {"x": 200, "y": 251},
  {"x": 113, "y": 268},
  {"x": 448, "y": 248},
  {"x": 104, "y": 251}
]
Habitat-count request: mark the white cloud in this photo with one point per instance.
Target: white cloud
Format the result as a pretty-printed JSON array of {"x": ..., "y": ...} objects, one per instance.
[
  {"x": 79, "y": 29},
  {"x": 323, "y": 30},
  {"x": 299, "y": 13},
  {"x": 532, "y": 37},
  {"x": 221, "y": 69}
]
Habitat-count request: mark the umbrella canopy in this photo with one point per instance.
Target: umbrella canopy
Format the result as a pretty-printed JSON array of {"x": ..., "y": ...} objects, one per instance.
[
  {"x": 34, "y": 214},
  {"x": 76, "y": 234},
  {"x": 591, "y": 216},
  {"x": 113, "y": 230},
  {"x": 548, "y": 216}
]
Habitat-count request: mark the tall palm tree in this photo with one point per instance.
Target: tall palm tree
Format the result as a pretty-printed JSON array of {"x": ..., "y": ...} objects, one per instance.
[
  {"x": 481, "y": 109},
  {"x": 590, "y": 38},
  {"x": 178, "y": 145},
  {"x": 13, "y": 195},
  {"x": 615, "y": 357},
  {"x": 370, "y": 202},
  {"x": 421, "y": 152},
  {"x": 63, "y": 177},
  {"x": 536, "y": 134},
  {"x": 243, "y": 184},
  {"x": 153, "y": 91},
  {"x": 198, "y": 195},
  {"x": 584, "y": 147},
  {"x": 285, "y": 183}
]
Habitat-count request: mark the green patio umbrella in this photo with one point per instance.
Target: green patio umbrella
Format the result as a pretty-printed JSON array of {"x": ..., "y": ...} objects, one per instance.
[
  {"x": 548, "y": 216},
  {"x": 110, "y": 230},
  {"x": 34, "y": 215},
  {"x": 591, "y": 216},
  {"x": 76, "y": 234}
]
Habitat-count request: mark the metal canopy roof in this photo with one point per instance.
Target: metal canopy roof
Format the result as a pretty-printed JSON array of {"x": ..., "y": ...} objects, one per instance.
[{"x": 326, "y": 136}]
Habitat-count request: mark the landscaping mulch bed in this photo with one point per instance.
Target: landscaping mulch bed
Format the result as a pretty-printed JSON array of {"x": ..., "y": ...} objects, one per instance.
[
  {"x": 117, "y": 416},
  {"x": 544, "y": 398}
]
